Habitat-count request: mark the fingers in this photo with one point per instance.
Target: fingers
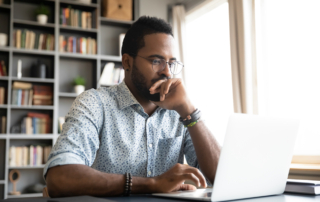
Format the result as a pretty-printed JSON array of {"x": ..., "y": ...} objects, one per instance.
[
  {"x": 162, "y": 87},
  {"x": 165, "y": 89},
  {"x": 192, "y": 177},
  {"x": 157, "y": 85},
  {"x": 187, "y": 187},
  {"x": 198, "y": 174}
]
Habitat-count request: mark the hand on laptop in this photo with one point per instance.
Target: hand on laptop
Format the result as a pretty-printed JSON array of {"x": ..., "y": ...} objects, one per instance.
[
  {"x": 173, "y": 96},
  {"x": 173, "y": 179}
]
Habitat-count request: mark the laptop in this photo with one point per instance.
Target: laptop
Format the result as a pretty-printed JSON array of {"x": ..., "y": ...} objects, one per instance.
[{"x": 254, "y": 161}]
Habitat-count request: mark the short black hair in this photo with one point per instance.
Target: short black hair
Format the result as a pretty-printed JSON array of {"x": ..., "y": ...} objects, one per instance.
[{"x": 145, "y": 25}]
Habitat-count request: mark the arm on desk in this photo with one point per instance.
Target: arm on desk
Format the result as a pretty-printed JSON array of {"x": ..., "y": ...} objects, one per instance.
[{"x": 76, "y": 179}]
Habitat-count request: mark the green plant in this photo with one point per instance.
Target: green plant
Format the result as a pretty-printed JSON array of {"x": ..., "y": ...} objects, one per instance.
[
  {"x": 79, "y": 81},
  {"x": 42, "y": 10}
]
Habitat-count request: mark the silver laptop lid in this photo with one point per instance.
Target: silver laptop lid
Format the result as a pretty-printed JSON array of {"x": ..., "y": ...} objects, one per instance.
[{"x": 255, "y": 158}]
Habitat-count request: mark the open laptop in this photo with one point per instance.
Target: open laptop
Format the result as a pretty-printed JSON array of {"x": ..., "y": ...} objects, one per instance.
[{"x": 254, "y": 161}]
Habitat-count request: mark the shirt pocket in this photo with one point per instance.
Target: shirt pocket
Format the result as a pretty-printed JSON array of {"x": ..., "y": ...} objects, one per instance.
[{"x": 170, "y": 152}]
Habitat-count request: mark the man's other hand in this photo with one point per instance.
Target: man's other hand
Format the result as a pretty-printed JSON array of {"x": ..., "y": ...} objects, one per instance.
[{"x": 173, "y": 179}]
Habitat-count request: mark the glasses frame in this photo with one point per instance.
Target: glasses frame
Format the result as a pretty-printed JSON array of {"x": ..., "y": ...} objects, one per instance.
[{"x": 151, "y": 60}]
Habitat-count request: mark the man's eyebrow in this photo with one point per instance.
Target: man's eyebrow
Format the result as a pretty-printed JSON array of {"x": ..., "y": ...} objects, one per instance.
[{"x": 159, "y": 56}]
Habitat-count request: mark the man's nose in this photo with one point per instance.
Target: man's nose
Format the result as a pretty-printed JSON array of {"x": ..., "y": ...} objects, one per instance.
[{"x": 166, "y": 71}]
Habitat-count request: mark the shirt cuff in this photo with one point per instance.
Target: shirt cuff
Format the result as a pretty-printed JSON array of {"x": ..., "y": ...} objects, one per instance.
[{"x": 62, "y": 159}]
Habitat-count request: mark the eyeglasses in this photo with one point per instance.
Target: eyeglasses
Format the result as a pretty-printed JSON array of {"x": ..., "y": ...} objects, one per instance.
[{"x": 159, "y": 65}]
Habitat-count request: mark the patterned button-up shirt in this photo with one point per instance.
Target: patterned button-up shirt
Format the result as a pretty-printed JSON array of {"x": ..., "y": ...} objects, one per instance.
[{"x": 107, "y": 129}]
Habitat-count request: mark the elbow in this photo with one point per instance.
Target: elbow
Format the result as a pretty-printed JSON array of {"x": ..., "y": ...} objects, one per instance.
[{"x": 54, "y": 184}]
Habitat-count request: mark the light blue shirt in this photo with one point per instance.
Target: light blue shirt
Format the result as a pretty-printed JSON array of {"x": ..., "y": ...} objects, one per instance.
[{"x": 108, "y": 130}]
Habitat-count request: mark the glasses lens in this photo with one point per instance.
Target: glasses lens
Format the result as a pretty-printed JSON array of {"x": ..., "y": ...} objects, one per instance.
[
  {"x": 176, "y": 67},
  {"x": 158, "y": 65}
]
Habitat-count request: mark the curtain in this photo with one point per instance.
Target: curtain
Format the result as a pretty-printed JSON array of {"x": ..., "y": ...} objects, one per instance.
[
  {"x": 179, "y": 33},
  {"x": 243, "y": 58}
]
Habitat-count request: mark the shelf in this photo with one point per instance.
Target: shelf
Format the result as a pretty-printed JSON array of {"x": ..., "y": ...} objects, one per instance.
[
  {"x": 78, "y": 55},
  {"x": 4, "y": 48},
  {"x": 33, "y": 51},
  {"x": 70, "y": 95},
  {"x": 6, "y": 6},
  {"x": 33, "y": 23},
  {"x": 108, "y": 21},
  {"x": 25, "y": 195},
  {"x": 108, "y": 85},
  {"x": 70, "y": 28},
  {"x": 111, "y": 58},
  {"x": 2, "y": 181},
  {"x": 35, "y": 107},
  {"x": 26, "y": 167},
  {"x": 29, "y": 79},
  {"x": 3, "y": 136},
  {"x": 92, "y": 5},
  {"x": 3, "y": 106},
  {"x": 4, "y": 78},
  {"x": 31, "y": 136}
]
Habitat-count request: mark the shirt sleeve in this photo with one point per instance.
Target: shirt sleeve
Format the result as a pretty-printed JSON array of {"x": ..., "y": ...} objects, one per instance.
[
  {"x": 79, "y": 139},
  {"x": 190, "y": 154}
]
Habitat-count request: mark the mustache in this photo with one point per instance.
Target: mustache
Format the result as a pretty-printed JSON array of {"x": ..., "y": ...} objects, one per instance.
[{"x": 162, "y": 77}]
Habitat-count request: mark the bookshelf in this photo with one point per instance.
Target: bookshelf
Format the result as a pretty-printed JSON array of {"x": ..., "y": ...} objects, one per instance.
[{"x": 62, "y": 68}]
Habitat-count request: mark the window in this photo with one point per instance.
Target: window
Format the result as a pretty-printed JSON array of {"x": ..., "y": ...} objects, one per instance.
[
  {"x": 288, "y": 49},
  {"x": 208, "y": 67}
]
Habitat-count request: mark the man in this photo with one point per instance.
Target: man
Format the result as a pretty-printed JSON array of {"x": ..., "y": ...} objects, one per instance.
[{"x": 134, "y": 128}]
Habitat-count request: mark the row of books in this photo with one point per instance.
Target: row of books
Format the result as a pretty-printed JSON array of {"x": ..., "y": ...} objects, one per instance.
[
  {"x": 111, "y": 75},
  {"x": 33, "y": 155},
  {"x": 24, "y": 93},
  {"x": 3, "y": 69},
  {"x": 73, "y": 44},
  {"x": 2, "y": 95},
  {"x": 30, "y": 40},
  {"x": 36, "y": 123},
  {"x": 3, "y": 124},
  {"x": 75, "y": 18}
]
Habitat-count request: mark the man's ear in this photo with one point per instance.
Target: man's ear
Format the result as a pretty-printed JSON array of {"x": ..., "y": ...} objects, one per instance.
[{"x": 127, "y": 61}]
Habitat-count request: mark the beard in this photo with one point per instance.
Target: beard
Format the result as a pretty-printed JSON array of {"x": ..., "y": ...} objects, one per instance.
[{"x": 140, "y": 82}]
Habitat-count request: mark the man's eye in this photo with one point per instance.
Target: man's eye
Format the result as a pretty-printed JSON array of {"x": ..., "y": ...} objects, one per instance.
[
  {"x": 172, "y": 64},
  {"x": 156, "y": 62}
]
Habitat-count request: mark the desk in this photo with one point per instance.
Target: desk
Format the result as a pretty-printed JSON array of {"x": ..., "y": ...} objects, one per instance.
[{"x": 146, "y": 198}]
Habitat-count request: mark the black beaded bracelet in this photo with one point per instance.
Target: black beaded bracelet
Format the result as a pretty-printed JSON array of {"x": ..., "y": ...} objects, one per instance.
[{"x": 128, "y": 184}]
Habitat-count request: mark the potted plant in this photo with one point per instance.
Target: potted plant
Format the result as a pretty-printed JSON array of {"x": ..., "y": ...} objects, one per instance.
[
  {"x": 42, "y": 13},
  {"x": 79, "y": 85}
]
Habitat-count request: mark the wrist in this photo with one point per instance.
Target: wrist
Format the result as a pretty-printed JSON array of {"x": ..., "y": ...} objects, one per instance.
[
  {"x": 185, "y": 110},
  {"x": 143, "y": 185},
  {"x": 152, "y": 185}
]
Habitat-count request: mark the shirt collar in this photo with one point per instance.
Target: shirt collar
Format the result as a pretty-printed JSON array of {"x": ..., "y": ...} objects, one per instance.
[{"x": 126, "y": 99}]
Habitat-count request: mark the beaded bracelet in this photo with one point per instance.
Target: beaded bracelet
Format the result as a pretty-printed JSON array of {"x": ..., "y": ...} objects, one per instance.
[
  {"x": 191, "y": 119},
  {"x": 128, "y": 184}
]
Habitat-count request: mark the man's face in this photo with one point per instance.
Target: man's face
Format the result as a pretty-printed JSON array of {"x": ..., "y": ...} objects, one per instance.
[{"x": 157, "y": 46}]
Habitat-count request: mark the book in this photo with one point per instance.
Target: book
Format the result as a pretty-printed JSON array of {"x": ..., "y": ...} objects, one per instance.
[
  {"x": 3, "y": 124},
  {"x": 2, "y": 95},
  {"x": 29, "y": 155},
  {"x": 46, "y": 122},
  {"x": 303, "y": 186},
  {"x": 4, "y": 68},
  {"x": 21, "y": 85}
]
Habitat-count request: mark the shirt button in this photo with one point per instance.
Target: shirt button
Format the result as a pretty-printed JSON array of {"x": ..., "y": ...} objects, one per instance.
[
  {"x": 150, "y": 145},
  {"x": 149, "y": 173}
]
